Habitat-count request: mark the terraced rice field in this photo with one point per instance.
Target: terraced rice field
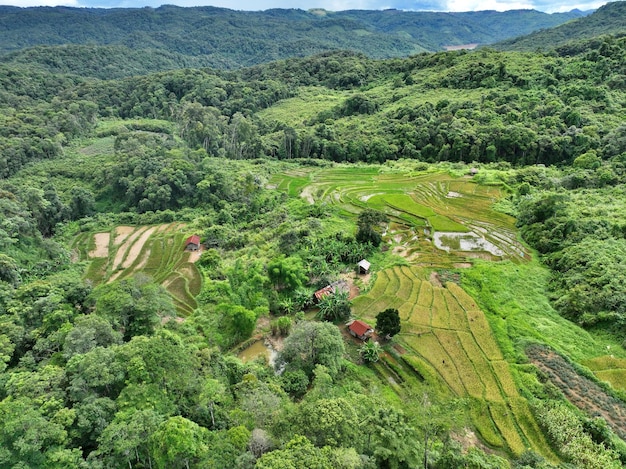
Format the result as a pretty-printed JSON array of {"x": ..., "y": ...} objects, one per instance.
[
  {"x": 451, "y": 215},
  {"x": 610, "y": 369},
  {"x": 157, "y": 251},
  {"x": 443, "y": 327}
]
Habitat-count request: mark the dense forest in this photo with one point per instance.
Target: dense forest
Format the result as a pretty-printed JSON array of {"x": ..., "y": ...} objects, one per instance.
[
  {"x": 171, "y": 37},
  {"x": 117, "y": 349}
]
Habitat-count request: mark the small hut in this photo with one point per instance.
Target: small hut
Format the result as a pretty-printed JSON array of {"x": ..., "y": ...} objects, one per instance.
[
  {"x": 473, "y": 171},
  {"x": 360, "y": 329},
  {"x": 338, "y": 286},
  {"x": 363, "y": 267},
  {"x": 192, "y": 243}
]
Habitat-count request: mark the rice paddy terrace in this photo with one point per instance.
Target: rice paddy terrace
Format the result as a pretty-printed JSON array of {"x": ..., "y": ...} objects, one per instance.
[
  {"x": 437, "y": 221},
  {"x": 443, "y": 327},
  {"x": 157, "y": 251}
]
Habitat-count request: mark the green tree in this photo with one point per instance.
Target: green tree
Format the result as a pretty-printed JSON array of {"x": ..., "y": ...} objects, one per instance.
[
  {"x": 300, "y": 453},
  {"x": 286, "y": 273},
  {"x": 391, "y": 437},
  {"x": 237, "y": 321},
  {"x": 26, "y": 435},
  {"x": 178, "y": 443},
  {"x": 134, "y": 306},
  {"x": 310, "y": 344},
  {"x": 388, "y": 322},
  {"x": 126, "y": 440},
  {"x": 369, "y": 226}
]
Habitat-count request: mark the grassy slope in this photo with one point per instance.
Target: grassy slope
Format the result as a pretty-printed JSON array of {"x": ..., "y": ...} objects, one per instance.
[{"x": 508, "y": 307}]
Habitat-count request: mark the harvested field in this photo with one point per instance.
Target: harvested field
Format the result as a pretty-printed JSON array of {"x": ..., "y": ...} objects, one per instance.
[
  {"x": 157, "y": 251},
  {"x": 102, "y": 245},
  {"x": 443, "y": 327}
]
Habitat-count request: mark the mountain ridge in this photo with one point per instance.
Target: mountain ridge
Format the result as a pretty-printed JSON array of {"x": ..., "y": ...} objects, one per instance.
[{"x": 223, "y": 38}]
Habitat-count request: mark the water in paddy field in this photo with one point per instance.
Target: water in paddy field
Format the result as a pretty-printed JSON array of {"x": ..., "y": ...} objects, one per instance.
[
  {"x": 465, "y": 242},
  {"x": 258, "y": 349}
]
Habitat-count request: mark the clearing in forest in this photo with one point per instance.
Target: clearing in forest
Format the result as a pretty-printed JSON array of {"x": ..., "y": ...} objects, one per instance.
[
  {"x": 436, "y": 219},
  {"x": 444, "y": 328},
  {"x": 157, "y": 251}
]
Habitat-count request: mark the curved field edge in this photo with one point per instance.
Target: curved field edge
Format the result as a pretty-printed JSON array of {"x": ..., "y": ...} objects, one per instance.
[
  {"x": 157, "y": 251},
  {"x": 437, "y": 201},
  {"x": 443, "y": 328}
]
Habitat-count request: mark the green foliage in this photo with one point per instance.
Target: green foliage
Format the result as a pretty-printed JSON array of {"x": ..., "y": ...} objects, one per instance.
[
  {"x": 178, "y": 442},
  {"x": 135, "y": 306},
  {"x": 175, "y": 38},
  {"x": 286, "y": 273},
  {"x": 388, "y": 322},
  {"x": 300, "y": 453},
  {"x": 369, "y": 227},
  {"x": 608, "y": 19},
  {"x": 311, "y": 344},
  {"x": 334, "y": 306},
  {"x": 238, "y": 322},
  {"x": 370, "y": 351},
  {"x": 566, "y": 431}
]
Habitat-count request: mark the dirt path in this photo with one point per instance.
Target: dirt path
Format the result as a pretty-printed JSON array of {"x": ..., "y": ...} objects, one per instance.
[
  {"x": 102, "y": 245},
  {"x": 195, "y": 255}
]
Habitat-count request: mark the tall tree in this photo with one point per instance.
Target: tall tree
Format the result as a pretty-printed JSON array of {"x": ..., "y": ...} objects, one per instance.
[
  {"x": 313, "y": 343},
  {"x": 388, "y": 322}
]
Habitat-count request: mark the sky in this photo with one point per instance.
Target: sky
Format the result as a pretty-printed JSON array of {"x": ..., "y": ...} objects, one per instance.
[{"x": 548, "y": 6}]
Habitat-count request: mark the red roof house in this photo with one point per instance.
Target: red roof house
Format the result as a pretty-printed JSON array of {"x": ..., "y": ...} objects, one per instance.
[
  {"x": 192, "y": 243},
  {"x": 323, "y": 292},
  {"x": 360, "y": 329}
]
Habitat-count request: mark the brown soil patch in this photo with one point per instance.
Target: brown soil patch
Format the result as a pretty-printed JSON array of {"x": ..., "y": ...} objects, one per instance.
[
  {"x": 136, "y": 248},
  {"x": 121, "y": 250},
  {"x": 194, "y": 255},
  {"x": 462, "y": 265},
  {"x": 166, "y": 319},
  {"x": 307, "y": 194},
  {"x": 121, "y": 232},
  {"x": 584, "y": 393},
  {"x": 353, "y": 289},
  {"x": 435, "y": 280},
  {"x": 468, "y": 439},
  {"x": 102, "y": 245},
  {"x": 144, "y": 260},
  {"x": 399, "y": 348}
]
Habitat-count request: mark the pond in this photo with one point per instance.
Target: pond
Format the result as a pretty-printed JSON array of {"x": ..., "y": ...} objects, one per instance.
[
  {"x": 467, "y": 242},
  {"x": 258, "y": 349}
]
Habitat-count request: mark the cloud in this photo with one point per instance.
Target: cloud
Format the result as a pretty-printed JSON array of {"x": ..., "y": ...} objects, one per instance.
[
  {"x": 40, "y": 3},
  {"x": 498, "y": 5},
  {"x": 332, "y": 5}
]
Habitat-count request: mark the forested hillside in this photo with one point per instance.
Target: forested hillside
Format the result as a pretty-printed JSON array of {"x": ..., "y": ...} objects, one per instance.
[
  {"x": 170, "y": 37},
  {"x": 485, "y": 190},
  {"x": 608, "y": 20}
]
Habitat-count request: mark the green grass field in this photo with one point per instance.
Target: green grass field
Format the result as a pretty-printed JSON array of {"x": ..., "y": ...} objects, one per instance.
[{"x": 157, "y": 251}]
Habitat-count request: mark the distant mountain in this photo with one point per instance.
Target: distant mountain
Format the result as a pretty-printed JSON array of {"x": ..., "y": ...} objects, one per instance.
[
  {"x": 170, "y": 36},
  {"x": 609, "y": 19}
]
